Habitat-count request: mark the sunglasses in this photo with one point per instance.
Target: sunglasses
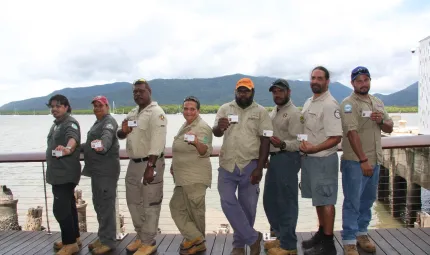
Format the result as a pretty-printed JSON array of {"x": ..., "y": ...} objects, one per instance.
[{"x": 361, "y": 70}]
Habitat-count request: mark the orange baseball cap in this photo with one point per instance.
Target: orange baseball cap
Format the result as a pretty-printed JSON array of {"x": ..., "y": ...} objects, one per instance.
[{"x": 245, "y": 82}]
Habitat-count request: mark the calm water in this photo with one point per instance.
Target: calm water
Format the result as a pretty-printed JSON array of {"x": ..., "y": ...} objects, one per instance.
[{"x": 28, "y": 134}]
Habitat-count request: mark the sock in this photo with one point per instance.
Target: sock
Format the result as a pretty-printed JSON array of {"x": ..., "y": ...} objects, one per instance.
[
  {"x": 320, "y": 229},
  {"x": 328, "y": 237}
]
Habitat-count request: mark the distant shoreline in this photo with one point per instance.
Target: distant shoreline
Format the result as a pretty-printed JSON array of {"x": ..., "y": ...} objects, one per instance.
[{"x": 204, "y": 109}]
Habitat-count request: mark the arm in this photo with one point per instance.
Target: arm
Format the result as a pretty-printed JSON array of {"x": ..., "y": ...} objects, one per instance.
[
  {"x": 217, "y": 130},
  {"x": 387, "y": 123},
  {"x": 265, "y": 124},
  {"x": 108, "y": 135},
  {"x": 354, "y": 140},
  {"x": 73, "y": 137},
  {"x": 158, "y": 127}
]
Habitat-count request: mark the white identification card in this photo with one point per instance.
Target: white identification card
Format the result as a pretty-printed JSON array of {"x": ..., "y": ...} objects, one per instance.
[
  {"x": 267, "y": 133},
  {"x": 268, "y": 237},
  {"x": 189, "y": 138},
  {"x": 233, "y": 118},
  {"x": 56, "y": 153},
  {"x": 302, "y": 137},
  {"x": 132, "y": 123},
  {"x": 96, "y": 144},
  {"x": 366, "y": 114}
]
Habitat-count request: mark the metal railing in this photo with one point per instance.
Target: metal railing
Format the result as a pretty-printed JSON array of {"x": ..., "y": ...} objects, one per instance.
[{"x": 389, "y": 208}]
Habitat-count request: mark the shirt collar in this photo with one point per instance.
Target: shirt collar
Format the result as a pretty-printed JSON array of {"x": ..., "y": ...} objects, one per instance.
[{"x": 322, "y": 97}]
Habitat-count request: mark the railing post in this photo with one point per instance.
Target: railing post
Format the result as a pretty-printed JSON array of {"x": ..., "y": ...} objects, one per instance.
[
  {"x": 413, "y": 191},
  {"x": 120, "y": 229},
  {"x": 46, "y": 198}
]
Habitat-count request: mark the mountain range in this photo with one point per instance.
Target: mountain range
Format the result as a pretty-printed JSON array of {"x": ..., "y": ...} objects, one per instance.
[{"x": 210, "y": 91}]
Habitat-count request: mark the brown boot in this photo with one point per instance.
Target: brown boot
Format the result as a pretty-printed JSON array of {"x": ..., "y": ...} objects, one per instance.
[
  {"x": 146, "y": 250},
  {"x": 188, "y": 244},
  {"x": 365, "y": 244},
  {"x": 350, "y": 249},
  {"x": 133, "y": 246},
  {"x": 68, "y": 249},
  {"x": 238, "y": 251},
  {"x": 272, "y": 244},
  {"x": 94, "y": 245},
  {"x": 194, "y": 249},
  {"x": 101, "y": 249},
  {"x": 58, "y": 245},
  {"x": 280, "y": 251},
  {"x": 256, "y": 246}
]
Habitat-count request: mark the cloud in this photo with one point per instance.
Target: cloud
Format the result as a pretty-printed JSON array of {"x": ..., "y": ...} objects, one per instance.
[{"x": 49, "y": 45}]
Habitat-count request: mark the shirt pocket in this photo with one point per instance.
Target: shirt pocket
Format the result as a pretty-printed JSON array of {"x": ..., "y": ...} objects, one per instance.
[
  {"x": 312, "y": 121},
  {"x": 143, "y": 122},
  {"x": 252, "y": 124}
]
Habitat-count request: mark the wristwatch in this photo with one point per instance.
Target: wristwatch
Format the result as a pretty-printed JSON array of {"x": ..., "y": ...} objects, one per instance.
[{"x": 283, "y": 145}]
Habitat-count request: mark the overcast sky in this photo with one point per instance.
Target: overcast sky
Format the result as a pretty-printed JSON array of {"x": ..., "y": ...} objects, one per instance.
[{"x": 47, "y": 45}]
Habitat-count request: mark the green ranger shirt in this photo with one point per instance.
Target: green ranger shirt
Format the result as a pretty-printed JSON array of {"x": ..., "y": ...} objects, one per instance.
[
  {"x": 352, "y": 109},
  {"x": 66, "y": 169},
  {"x": 106, "y": 162}
]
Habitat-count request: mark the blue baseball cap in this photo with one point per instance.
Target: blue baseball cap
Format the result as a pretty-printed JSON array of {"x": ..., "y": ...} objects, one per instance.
[{"x": 359, "y": 70}]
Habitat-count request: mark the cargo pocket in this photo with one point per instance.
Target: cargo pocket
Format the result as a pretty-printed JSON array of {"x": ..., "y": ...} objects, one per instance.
[
  {"x": 325, "y": 188},
  {"x": 154, "y": 194}
]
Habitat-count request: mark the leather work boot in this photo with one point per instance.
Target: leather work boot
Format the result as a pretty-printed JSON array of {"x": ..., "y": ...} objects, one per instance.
[
  {"x": 101, "y": 249},
  {"x": 68, "y": 249},
  {"x": 133, "y": 246},
  {"x": 94, "y": 245},
  {"x": 280, "y": 251},
  {"x": 365, "y": 244},
  {"x": 324, "y": 247},
  {"x": 350, "y": 249},
  {"x": 272, "y": 244},
  {"x": 58, "y": 245},
  {"x": 255, "y": 248},
  {"x": 194, "y": 249},
  {"x": 188, "y": 244},
  {"x": 146, "y": 250},
  {"x": 238, "y": 251},
  {"x": 315, "y": 239}
]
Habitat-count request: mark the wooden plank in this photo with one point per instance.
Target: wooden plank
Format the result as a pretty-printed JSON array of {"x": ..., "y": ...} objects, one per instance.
[
  {"x": 396, "y": 244},
  {"x": 210, "y": 241},
  {"x": 406, "y": 242},
  {"x": 21, "y": 243},
  {"x": 174, "y": 245},
  {"x": 41, "y": 238},
  {"x": 6, "y": 233},
  {"x": 47, "y": 243},
  {"x": 415, "y": 239},
  {"x": 425, "y": 230},
  {"x": 379, "y": 251},
  {"x": 89, "y": 239},
  {"x": 120, "y": 245},
  {"x": 218, "y": 247},
  {"x": 420, "y": 234},
  {"x": 228, "y": 245},
  {"x": 14, "y": 239},
  {"x": 49, "y": 247},
  {"x": 165, "y": 243},
  {"x": 382, "y": 243},
  {"x": 9, "y": 237},
  {"x": 299, "y": 244}
]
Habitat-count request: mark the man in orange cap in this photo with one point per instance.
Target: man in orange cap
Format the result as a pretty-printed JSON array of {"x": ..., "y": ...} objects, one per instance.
[{"x": 244, "y": 152}]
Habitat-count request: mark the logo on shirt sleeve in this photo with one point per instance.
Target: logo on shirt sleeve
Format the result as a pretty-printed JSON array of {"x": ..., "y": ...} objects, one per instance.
[
  {"x": 302, "y": 119},
  {"x": 109, "y": 126},
  {"x": 205, "y": 140},
  {"x": 161, "y": 117},
  {"x": 337, "y": 114},
  {"x": 74, "y": 126},
  {"x": 347, "y": 108}
]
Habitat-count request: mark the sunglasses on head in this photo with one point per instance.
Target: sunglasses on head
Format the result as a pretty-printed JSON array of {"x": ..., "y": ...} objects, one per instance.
[
  {"x": 191, "y": 98},
  {"x": 361, "y": 70}
]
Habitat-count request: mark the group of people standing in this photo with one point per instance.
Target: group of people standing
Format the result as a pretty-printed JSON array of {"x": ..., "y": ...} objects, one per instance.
[{"x": 295, "y": 139}]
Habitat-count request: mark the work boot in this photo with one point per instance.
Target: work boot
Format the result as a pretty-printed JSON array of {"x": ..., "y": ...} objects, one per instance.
[
  {"x": 68, "y": 249},
  {"x": 255, "y": 248},
  {"x": 280, "y": 251},
  {"x": 133, "y": 246},
  {"x": 101, "y": 249},
  {"x": 188, "y": 244},
  {"x": 364, "y": 242},
  {"x": 315, "y": 239},
  {"x": 350, "y": 249},
  {"x": 272, "y": 244},
  {"x": 94, "y": 245},
  {"x": 58, "y": 245},
  {"x": 193, "y": 249},
  {"x": 238, "y": 251},
  {"x": 324, "y": 247},
  {"x": 146, "y": 249}
]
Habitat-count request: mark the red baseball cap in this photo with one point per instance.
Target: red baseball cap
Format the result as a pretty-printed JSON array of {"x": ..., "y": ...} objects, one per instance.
[{"x": 101, "y": 99}]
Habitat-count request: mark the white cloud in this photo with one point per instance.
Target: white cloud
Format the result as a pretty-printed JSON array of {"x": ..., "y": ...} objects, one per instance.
[{"x": 47, "y": 45}]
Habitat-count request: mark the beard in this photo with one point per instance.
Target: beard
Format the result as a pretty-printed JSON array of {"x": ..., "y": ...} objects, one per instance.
[
  {"x": 316, "y": 88},
  {"x": 363, "y": 91},
  {"x": 243, "y": 103},
  {"x": 281, "y": 102}
]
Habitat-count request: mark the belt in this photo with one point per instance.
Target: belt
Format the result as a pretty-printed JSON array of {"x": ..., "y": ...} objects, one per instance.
[
  {"x": 276, "y": 153},
  {"x": 138, "y": 160}
]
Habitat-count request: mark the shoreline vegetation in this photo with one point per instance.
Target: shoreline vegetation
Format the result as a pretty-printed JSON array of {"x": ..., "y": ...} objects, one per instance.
[{"x": 173, "y": 109}]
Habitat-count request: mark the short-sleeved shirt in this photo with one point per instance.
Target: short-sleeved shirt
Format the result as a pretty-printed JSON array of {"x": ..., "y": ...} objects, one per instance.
[
  {"x": 241, "y": 142},
  {"x": 106, "y": 162},
  {"x": 321, "y": 121},
  {"x": 369, "y": 131},
  {"x": 67, "y": 168},
  {"x": 189, "y": 166},
  {"x": 149, "y": 137},
  {"x": 287, "y": 125}
]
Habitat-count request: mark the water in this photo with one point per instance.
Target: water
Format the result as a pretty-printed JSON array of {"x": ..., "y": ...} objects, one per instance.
[{"x": 28, "y": 134}]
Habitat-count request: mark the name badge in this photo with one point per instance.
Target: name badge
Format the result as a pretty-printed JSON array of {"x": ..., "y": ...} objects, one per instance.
[
  {"x": 233, "y": 118},
  {"x": 268, "y": 133},
  {"x": 96, "y": 144},
  {"x": 132, "y": 123},
  {"x": 302, "y": 137},
  {"x": 268, "y": 237},
  {"x": 366, "y": 114},
  {"x": 189, "y": 138},
  {"x": 57, "y": 153}
]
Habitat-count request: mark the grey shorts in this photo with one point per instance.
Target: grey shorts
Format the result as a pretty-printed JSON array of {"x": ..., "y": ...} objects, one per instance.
[{"x": 319, "y": 179}]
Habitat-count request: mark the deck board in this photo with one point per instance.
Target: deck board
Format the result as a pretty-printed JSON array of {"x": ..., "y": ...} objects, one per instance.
[{"x": 402, "y": 241}]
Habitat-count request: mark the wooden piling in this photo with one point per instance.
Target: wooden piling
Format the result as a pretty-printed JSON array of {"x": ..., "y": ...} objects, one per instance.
[
  {"x": 34, "y": 219},
  {"x": 81, "y": 206},
  {"x": 8, "y": 210}
]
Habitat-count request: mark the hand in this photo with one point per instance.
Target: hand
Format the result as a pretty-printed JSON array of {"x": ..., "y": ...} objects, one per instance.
[
  {"x": 256, "y": 176},
  {"x": 366, "y": 168},
  {"x": 275, "y": 141},
  {"x": 99, "y": 148},
  {"x": 307, "y": 147},
  {"x": 377, "y": 116},
  {"x": 148, "y": 176},
  {"x": 171, "y": 170},
  {"x": 223, "y": 124},
  {"x": 125, "y": 128},
  {"x": 196, "y": 140},
  {"x": 64, "y": 150}
]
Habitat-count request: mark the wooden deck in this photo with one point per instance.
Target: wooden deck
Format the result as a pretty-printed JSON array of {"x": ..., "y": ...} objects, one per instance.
[{"x": 402, "y": 241}]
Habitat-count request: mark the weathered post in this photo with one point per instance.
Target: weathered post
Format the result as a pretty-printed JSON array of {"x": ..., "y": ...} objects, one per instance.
[
  {"x": 8, "y": 212},
  {"x": 34, "y": 219},
  {"x": 82, "y": 211}
]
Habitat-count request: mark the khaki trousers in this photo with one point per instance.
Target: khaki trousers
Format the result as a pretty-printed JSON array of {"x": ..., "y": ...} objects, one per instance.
[
  {"x": 188, "y": 208},
  {"x": 144, "y": 201}
]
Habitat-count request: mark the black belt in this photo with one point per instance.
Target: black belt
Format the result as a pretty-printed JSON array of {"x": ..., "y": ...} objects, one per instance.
[
  {"x": 138, "y": 160},
  {"x": 277, "y": 152}
]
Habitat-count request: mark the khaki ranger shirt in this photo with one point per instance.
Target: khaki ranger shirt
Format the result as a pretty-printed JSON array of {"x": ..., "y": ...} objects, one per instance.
[
  {"x": 241, "y": 142},
  {"x": 286, "y": 126},
  {"x": 369, "y": 131},
  {"x": 189, "y": 166},
  {"x": 149, "y": 137},
  {"x": 322, "y": 120}
]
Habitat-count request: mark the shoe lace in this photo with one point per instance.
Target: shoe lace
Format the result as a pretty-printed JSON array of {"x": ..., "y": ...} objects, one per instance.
[
  {"x": 351, "y": 248},
  {"x": 365, "y": 238}
]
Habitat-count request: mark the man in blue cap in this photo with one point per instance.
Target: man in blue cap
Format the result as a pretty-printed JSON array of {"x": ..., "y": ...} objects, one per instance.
[{"x": 363, "y": 118}]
